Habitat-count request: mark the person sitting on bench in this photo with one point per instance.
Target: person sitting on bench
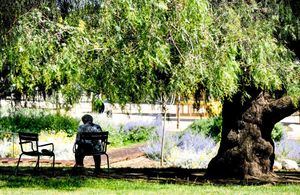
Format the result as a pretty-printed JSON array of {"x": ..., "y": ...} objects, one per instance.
[{"x": 86, "y": 147}]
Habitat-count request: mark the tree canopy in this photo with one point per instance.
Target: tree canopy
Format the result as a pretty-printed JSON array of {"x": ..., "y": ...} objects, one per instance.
[{"x": 137, "y": 51}]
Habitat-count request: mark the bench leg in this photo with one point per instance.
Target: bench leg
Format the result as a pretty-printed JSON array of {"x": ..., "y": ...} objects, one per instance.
[
  {"x": 37, "y": 163},
  {"x": 53, "y": 163},
  {"x": 107, "y": 159},
  {"x": 16, "y": 172}
]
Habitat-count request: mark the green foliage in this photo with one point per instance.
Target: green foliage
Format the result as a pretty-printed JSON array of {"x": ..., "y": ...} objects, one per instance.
[
  {"x": 118, "y": 136},
  {"x": 37, "y": 121},
  {"x": 11, "y": 10},
  {"x": 277, "y": 132},
  {"x": 42, "y": 56},
  {"x": 211, "y": 127},
  {"x": 248, "y": 55},
  {"x": 138, "y": 51},
  {"x": 115, "y": 137},
  {"x": 131, "y": 50},
  {"x": 128, "y": 51},
  {"x": 138, "y": 134},
  {"x": 26, "y": 120},
  {"x": 289, "y": 19},
  {"x": 98, "y": 105}
]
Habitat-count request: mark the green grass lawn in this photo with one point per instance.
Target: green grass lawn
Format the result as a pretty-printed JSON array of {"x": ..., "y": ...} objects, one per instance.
[{"x": 83, "y": 185}]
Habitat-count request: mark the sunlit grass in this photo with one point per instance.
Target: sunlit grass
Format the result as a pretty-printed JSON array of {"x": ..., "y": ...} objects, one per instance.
[{"x": 83, "y": 185}]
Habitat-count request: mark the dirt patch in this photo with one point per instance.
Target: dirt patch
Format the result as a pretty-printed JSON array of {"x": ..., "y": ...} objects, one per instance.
[
  {"x": 140, "y": 162},
  {"x": 119, "y": 157}
]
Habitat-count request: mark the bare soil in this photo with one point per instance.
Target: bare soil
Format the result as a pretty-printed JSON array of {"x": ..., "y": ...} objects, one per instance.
[{"x": 120, "y": 157}]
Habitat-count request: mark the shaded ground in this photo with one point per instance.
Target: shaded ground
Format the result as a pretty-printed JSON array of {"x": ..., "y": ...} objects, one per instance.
[
  {"x": 130, "y": 163},
  {"x": 161, "y": 175}
]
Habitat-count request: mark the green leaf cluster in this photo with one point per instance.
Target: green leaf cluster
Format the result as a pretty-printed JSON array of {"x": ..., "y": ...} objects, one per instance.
[
  {"x": 138, "y": 51},
  {"x": 36, "y": 121},
  {"x": 210, "y": 127},
  {"x": 42, "y": 56}
]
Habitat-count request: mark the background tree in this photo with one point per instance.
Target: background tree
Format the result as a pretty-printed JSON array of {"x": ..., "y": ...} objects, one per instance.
[
  {"x": 40, "y": 57},
  {"x": 40, "y": 51}
]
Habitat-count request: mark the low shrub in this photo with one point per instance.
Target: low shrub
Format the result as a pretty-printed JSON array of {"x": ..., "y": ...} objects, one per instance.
[
  {"x": 61, "y": 129},
  {"x": 210, "y": 127},
  {"x": 63, "y": 145},
  {"x": 57, "y": 129},
  {"x": 286, "y": 148},
  {"x": 194, "y": 147},
  {"x": 192, "y": 151},
  {"x": 128, "y": 133},
  {"x": 36, "y": 121},
  {"x": 186, "y": 150},
  {"x": 121, "y": 136},
  {"x": 8, "y": 147},
  {"x": 277, "y": 132},
  {"x": 115, "y": 137},
  {"x": 138, "y": 134},
  {"x": 153, "y": 147}
]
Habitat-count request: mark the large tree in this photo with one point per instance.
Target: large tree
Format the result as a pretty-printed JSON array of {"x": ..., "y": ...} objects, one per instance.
[
  {"x": 237, "y": 51},
  {"x": 241, "y": 52},
  {"x": 264, "y": 47}
]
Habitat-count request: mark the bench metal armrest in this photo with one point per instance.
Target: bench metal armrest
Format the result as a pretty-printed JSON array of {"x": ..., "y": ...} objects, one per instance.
[
  {"x": 49, "y": 144},
  {"x": 75, "y": 147},
  {"x": 25, "y": 142}
]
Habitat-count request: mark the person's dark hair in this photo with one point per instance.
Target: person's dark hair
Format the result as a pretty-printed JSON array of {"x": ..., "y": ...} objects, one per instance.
[{"x": 87, "y": 118}]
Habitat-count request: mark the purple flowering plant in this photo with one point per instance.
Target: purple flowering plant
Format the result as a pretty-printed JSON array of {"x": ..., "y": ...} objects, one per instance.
[
  {"x": 187, "y": 149},
  {"x": 287, "y": 148}
]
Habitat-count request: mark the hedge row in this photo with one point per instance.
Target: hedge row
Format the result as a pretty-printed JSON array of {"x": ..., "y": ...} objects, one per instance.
[{"x": 26, "y": 120}]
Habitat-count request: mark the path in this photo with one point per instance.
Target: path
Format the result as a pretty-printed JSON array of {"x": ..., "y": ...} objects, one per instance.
[{"x": 122, "y": 157}]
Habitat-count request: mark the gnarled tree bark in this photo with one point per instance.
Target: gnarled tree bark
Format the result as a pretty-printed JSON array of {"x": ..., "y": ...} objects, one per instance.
[{"x": 246, "y": 147}]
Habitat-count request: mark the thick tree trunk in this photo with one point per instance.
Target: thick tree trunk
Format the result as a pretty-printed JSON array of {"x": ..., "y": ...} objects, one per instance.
[{"x": 246, "y": 147}]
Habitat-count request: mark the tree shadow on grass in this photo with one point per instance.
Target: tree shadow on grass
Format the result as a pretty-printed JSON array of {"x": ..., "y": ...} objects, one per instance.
[
  {"x": 65, "y": 179},
  {"x": 44, "y": 179},
  {"x": 67, "y": 183}
]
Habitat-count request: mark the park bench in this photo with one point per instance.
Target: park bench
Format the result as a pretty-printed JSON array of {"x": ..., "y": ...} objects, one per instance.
[
  {"x": 90, "y": 137},
  {"x": 29, "y": 143}
]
